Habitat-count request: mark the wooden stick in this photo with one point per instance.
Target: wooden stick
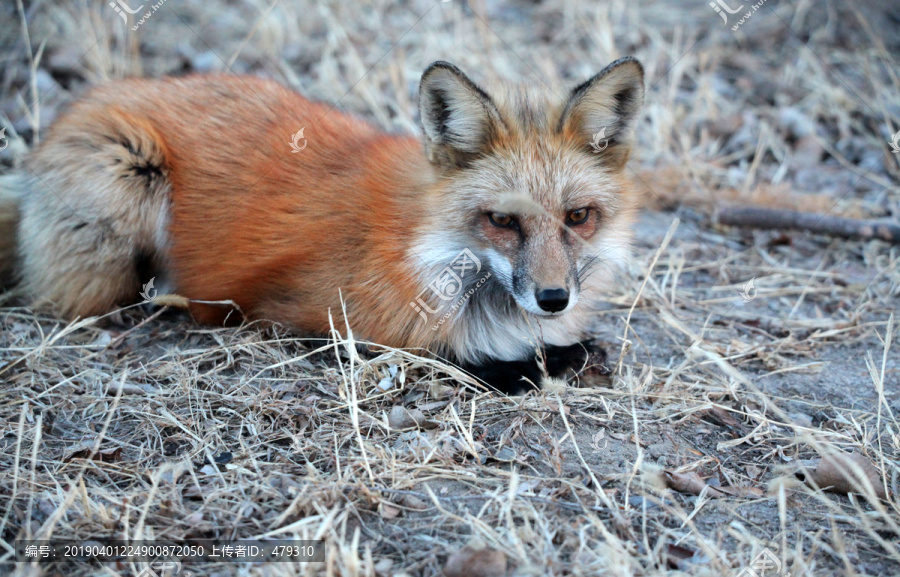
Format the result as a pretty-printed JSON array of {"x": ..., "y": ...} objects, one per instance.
[{"x": 768, "y": 218}]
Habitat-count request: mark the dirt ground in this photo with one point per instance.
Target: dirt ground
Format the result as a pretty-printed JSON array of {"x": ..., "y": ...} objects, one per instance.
[{"x": 745, "y": 363}]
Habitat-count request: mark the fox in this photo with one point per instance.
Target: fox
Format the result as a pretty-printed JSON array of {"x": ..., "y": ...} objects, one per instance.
[{"x": 488, "y": 242}]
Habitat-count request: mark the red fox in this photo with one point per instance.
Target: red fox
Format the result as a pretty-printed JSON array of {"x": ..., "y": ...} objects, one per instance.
[{"x": 487, "y": 243}]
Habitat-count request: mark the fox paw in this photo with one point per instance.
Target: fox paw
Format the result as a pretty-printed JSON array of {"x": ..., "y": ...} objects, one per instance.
[
  {"x": 583, "y": 364},
  {"x": 591, "y": 368}
]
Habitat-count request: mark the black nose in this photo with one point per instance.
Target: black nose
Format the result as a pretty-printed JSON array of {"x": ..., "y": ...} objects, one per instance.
[{"x": 552, "y": 300}]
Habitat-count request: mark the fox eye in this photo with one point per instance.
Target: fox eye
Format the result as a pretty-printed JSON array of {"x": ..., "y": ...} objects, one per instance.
[
  {"x": 578, "y": 216},
  {"x": 502, "y": 220}
]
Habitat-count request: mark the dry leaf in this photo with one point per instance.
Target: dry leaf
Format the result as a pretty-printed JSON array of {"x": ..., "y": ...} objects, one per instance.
[
  {"x": 690, "y": 483},
  {"x": 469, "y": 562},
  {"x": 753, "y": 471},
  {"x": 402, "y": 418},
  {"x": 389, "y": 511},
  {"x": 719, "y": 416},
  {"x": 413, "y": 502},
  {"x": 840, "y": 473},
  {"x": 681, "y": 558},
  {"x": 399, "y": 418},
  {"x": 84, "y": 448}
]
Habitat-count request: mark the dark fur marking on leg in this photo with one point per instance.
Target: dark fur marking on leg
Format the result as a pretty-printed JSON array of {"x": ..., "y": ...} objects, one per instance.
[
  {"x": 508, "y": 377},
  {"x": 584, "y": 359}
]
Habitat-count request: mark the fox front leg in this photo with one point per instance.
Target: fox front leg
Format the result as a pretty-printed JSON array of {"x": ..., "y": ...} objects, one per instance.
[{"x": 583, "y": 363}]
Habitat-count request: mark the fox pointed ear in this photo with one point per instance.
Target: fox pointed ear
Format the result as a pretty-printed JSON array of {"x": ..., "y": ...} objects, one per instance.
[
  {"x": 602, "y": 112},
  {"x": 459, "y": 119}
]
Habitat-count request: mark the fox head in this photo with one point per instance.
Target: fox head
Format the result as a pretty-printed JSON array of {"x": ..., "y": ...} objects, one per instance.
[{"x": 524, "y": 184}]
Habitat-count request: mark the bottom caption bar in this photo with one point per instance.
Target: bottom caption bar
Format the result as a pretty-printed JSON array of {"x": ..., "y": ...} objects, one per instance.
[{"x": 242, "y": 551}]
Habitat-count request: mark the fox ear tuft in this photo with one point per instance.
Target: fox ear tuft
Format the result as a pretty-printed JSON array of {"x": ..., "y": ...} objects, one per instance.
[
  {"x": 459, "y": 119},
  {"x": 602, "y": 112}
]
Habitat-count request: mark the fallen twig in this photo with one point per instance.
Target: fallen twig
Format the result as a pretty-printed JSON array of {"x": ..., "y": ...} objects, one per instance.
[{"x": 767, "y": 218}]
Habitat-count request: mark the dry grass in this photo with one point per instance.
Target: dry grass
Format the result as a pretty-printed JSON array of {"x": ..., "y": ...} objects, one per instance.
[{"x": 149, "y": 426}]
